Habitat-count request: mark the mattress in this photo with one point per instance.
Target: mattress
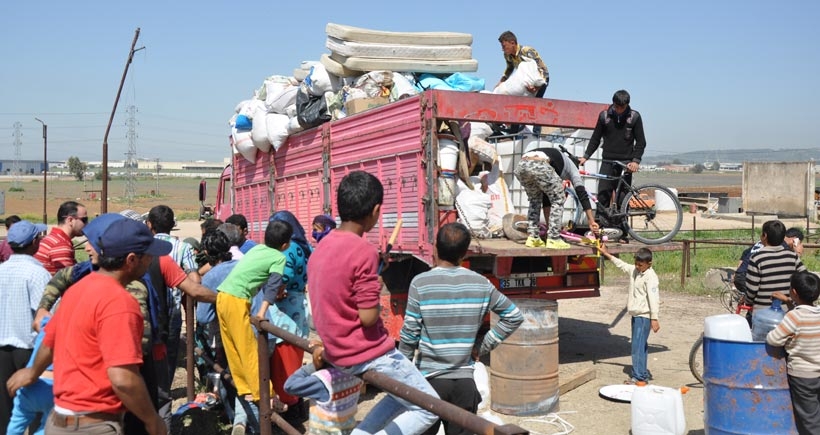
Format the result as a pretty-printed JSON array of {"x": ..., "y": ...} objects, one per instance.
[
  {"x": 336, "y": 68},
  {"x": 398, "y": 51},
  {"x": 410, "y": 65},
  {"x": 357, "y": 34}
]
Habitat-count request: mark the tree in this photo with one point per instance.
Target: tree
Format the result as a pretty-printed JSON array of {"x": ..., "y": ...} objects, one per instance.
[
  {"x": 715, "y": 166},
  {"x": 676, "y": 162},
  {"x": 77, "y": 168},
  {"x": 697, "y": 169}
]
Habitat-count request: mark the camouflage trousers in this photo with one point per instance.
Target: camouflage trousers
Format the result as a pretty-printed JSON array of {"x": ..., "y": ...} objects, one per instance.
[{"x": 539, "y": 178}]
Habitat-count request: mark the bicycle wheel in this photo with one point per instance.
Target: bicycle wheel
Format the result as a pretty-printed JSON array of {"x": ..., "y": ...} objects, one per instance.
[
  {"x": 653, "y": 214},
  {"x": 730, "y": 298},
  {"x": 696, "y": 359},
  {"x": 572, "y": 208}
]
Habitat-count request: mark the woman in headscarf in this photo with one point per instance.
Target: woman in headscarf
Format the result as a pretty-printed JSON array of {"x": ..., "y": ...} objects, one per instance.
[
  {"x": 322, "y": 224},
  {"x": 289, "y": 313}
]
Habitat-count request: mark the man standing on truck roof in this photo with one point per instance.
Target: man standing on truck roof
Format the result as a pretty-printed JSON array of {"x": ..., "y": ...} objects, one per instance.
[
  {"x": 622, "y": 131},
  {"x": 514, "y": 54}
]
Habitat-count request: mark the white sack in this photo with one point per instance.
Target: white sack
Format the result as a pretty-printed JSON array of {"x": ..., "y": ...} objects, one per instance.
[
  {"x": 480, "y": 129},
  {"x": 485, "y": 151},
  {"x": 499, "y": 196},
  {"x": 474, "y": 207},
  {"x": 278, "y": 101},
  {"x": 277, "y": 129},
  {"x": 482, "y": 383},
  {"x": 402, "y": 87},
  {"x": 525, "y": 75},
  {"x": 243, "y": 142},
  {"x": 259, "y": 132},
  {"x": 294, "y": 126},
  {"x": 320, "y": 81}
]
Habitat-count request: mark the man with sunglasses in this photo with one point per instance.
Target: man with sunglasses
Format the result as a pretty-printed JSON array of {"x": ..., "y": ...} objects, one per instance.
[{"x": 56, "y": 249}]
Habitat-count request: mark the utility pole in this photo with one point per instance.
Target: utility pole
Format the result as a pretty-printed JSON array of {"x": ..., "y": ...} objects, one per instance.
[
  {"x": 131, "y": 156},
  {"x": 16, "y": 169},
  {"x": 156, "y": 191},
  {"x": 104, "y": 202},
  {"x": 45, "y": 169}
]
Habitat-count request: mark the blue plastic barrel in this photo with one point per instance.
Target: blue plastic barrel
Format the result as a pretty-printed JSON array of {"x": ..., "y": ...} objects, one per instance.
[{"x": 746, "y": 390}]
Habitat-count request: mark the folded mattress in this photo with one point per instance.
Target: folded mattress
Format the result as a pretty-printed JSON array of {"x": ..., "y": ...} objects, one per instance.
[
  {"x": 334, "y": 67},
  {"x": 398, "y": 51},
  {"x": 357, "y": 34},
  {"x": 364, "y": 64}
]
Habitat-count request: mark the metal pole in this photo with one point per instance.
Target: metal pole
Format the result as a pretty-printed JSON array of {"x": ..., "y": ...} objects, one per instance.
[
  {"x": 104, "y": 199},
  {"x": 45, "y": 170},
  {"x": 189, "y": 347}
]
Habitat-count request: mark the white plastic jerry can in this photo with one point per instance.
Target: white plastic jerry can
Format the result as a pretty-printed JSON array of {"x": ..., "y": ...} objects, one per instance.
[{"x": 657, "y": 410}]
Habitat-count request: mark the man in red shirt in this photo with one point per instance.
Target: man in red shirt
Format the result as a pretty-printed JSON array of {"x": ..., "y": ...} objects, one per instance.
[
  {"x": 56, "y": 249},
  {"x": 94, "y": 341}
]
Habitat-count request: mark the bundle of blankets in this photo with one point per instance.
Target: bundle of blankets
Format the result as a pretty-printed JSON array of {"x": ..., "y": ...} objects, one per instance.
[{"x": 362, "y": 63}]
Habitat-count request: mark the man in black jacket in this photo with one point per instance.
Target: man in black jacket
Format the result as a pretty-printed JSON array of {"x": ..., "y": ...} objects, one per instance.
[{"x": 621, "y": 128}]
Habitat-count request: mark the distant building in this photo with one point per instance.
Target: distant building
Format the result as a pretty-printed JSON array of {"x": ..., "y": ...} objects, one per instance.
[
  {"x": 27, "y": 167},
  {"x": 731, "y": 166}
]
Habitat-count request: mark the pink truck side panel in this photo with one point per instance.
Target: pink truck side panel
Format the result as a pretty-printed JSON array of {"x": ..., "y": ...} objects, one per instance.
[
  {"x": 387, "y": 144},
  {"x": 298, "y": 172},
  {"x": 251, "y": 181}
]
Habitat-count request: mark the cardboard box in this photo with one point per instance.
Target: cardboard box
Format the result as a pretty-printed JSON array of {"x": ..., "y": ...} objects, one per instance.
[{"x": 358, "y": 105}]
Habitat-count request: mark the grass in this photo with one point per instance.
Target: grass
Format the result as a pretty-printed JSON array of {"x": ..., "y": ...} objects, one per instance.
[
  {"x": 704, "y": 256},
  {"x": 179, "y": 193}
]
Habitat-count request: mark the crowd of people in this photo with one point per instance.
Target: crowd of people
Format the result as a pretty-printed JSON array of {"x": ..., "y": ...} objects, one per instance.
[{"x": 92, "y": 346}]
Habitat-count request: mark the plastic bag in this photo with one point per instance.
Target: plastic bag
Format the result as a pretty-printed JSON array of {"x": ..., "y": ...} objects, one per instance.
[
  {"x": 465, "y": 82},
  {"x": 482, "y": 383},
  {"x": 311, "y": 110}
]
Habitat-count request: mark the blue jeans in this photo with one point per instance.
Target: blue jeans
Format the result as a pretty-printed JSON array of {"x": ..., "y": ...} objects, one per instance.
[
  {"x": 246, "y": 413},
  {"x": 640, "y": 347},
  {"x": 392, "y": 415}
]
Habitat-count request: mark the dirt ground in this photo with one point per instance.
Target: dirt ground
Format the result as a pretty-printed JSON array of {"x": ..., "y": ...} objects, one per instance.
[{"x": 594, "y": 334}]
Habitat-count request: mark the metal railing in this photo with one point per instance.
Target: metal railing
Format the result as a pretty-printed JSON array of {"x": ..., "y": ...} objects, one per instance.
[{"x": 445, "y": 410}]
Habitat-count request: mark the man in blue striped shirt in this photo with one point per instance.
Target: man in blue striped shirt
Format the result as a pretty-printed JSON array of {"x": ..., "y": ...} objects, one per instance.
[{"x": 445, "y": 309}]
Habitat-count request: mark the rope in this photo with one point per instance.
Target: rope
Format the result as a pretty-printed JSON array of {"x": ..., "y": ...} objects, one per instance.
[{"x": 553, "y": 419}]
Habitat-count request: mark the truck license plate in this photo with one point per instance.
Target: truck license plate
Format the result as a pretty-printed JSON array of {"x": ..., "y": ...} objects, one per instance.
[{"x": 505, "y": 283}]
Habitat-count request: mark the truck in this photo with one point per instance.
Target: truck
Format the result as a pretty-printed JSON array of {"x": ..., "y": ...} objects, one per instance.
[{"x": 398, "y": 143}]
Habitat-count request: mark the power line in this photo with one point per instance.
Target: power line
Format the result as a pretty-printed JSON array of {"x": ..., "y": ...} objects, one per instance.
[{"x": 16, "y": 169}]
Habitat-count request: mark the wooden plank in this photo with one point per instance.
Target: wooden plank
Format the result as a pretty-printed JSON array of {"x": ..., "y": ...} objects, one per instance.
[{"x": 576, "y": 380}]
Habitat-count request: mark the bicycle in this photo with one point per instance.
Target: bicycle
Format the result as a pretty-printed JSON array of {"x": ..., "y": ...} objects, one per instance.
[
  {"x": 650, "y": 213},
  {"x": 733, "y": 301}
]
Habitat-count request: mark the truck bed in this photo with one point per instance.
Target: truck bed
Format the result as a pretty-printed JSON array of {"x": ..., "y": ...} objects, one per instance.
[{"x": 509, "y": 248}]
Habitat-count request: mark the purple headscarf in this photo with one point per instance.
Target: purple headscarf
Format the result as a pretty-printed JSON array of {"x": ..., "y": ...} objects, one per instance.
[{"x": 327, "y": 224}]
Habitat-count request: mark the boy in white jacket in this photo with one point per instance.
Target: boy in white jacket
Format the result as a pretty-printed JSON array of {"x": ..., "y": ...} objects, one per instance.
[{"x": 643, "y": 304}]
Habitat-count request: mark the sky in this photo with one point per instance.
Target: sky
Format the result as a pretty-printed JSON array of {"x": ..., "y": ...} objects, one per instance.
[{"x": 705, "y": 75}]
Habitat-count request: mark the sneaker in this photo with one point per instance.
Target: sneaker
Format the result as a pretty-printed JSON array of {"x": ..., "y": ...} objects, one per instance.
[
  {"x": 635, "y": 382},
  {"x": 557, "y": 244},
  {"x": 534, "y": 242}
]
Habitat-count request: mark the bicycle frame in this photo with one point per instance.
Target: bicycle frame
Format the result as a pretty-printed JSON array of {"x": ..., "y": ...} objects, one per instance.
[{"x": 639, "y": 203}]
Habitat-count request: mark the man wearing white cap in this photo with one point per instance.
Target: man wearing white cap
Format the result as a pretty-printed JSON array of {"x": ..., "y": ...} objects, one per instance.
[
  {"x": 94, "y": 341},
  {"x": 22, "y": 280}
]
